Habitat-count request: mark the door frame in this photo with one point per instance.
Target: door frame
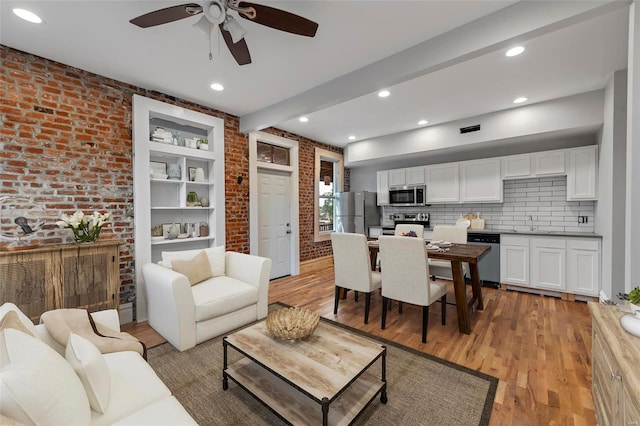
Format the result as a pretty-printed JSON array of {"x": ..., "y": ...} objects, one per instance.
[{"x": 254, "y": 165}]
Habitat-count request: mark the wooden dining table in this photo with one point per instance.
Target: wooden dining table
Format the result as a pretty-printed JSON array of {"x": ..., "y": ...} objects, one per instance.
[{"x": 457, "y": 254}]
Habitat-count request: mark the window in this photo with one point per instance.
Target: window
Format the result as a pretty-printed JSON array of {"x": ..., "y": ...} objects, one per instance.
[{"x": 329, "y": 168}]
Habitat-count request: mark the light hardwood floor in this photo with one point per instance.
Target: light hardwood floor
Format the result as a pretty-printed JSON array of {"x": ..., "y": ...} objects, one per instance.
[{"x": 539, "y": 347}]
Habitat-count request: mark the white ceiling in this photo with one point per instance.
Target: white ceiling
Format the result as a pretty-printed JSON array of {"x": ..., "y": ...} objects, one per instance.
[{"x": 566, "y": 57}]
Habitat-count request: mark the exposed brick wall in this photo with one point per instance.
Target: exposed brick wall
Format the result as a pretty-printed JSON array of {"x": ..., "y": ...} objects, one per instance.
[{"x": 65, "y": 142}]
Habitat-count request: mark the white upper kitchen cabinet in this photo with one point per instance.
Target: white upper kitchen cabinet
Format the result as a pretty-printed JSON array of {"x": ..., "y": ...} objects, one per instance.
[
  {"x": 443, "y": 183},
  {"x": 382, "y": 187},
  {"x": 548, "y": 263},
  {"x": 549, "y": 163},
  {"x": 583, "y": 266},
  {"x": 481, "y": 181},
  {"x": 581, "y": 173},
  {"x": 514, "y": 260},
  {"x": 397, "y": 177},
  {"x": 516, "y": 166},
  {"x": 415, "y": 175}
]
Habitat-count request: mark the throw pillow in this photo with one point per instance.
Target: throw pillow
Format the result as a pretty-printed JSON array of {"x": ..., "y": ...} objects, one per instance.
[
  {"x": 37, "y": 385},
  {"x": 196, "y": 270},
  {"x": 90, "y": 366},
  {"x": 216, "y": 255},
  {"x": 7, "y": 307},
  {"x": 11, "y": 320}
]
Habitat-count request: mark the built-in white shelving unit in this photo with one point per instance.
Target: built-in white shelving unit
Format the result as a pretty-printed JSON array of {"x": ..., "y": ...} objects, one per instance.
[{"x": 164, "y": 201}]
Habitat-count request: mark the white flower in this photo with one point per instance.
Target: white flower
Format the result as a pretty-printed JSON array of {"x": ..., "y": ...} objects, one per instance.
[{"x": 85, "y": 228}]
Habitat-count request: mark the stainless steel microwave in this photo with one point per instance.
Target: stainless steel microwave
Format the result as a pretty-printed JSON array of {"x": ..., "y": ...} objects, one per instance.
[{"x": 412, "y": 195}]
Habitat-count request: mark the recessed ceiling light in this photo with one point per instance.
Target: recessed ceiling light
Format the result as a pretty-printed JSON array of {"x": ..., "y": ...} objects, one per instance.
[
  {"x": 422, "y": 122},
  {"x": 27, "y": 15},
  {"x": 352, "y": 138},
  {"x": 217, "y": 87},
  {"x": 515, "y": 51},
  {"x": 303, "y": 119},
  {"x": 383, "y": 93},
  {"x": 519, "y": 100}
]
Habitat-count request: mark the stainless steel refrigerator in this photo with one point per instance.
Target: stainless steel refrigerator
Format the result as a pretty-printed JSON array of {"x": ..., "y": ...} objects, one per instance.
[{"x": 356, "y": 212}]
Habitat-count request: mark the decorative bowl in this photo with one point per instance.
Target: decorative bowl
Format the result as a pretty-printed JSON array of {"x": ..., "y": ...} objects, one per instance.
[{"x": 292, "y": 323}]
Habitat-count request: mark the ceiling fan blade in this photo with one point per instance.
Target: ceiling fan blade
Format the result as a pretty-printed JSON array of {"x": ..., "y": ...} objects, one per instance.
[
  {"x": 239, "y": 50},
  {"x": 166, "y": 15},
  {"x": 280, "y": 19}
]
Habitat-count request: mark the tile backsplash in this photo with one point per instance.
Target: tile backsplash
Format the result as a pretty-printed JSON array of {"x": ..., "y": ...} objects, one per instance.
[{"x": 544, "y": 199}]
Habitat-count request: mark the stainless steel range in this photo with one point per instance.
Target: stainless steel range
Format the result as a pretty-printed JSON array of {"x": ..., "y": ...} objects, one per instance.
[{"x": 406, "y": 218}]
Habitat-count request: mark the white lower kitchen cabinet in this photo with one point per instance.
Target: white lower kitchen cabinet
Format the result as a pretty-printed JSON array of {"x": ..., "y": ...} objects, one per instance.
[
  {"x": 514, "y": 260},
  {"x": 548, "y": 262},
  {"x": 583, "y": 266},
  {"x": 560, "y": 264},
  {"x": 375, "y": 231}
]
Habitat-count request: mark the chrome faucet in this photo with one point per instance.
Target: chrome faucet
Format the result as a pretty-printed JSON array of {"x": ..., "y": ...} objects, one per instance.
[{"x": 530, "y": 223}]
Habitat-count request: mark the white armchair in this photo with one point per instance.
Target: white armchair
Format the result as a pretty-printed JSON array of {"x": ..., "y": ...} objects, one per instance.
[{"x": 186, "y": 314}]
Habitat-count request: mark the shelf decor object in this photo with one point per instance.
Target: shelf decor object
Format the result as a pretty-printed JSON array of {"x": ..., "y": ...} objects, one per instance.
[
  {"x": 86, "y": 229},
  {"x": 20, "y": 219},
  {"x": 193, "y": 175}
]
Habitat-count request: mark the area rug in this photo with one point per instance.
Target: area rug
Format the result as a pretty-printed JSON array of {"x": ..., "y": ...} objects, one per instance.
[{"x": 421, "y": 389}]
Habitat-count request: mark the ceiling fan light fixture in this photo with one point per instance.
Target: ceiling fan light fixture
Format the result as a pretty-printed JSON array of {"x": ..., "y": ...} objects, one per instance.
[
  {"x": 203, "y": 25},
  {"x": 236, "y": 30},
  {"x": 215, "y": 12}
]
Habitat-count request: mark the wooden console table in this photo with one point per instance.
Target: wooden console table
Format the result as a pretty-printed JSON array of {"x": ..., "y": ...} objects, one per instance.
[{"x": 85, "y": 276}]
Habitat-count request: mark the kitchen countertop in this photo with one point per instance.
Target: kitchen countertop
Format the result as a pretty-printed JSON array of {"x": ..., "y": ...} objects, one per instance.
[
  {"x": 536, "y": 232},
  {"x": 519, "y": 232}
]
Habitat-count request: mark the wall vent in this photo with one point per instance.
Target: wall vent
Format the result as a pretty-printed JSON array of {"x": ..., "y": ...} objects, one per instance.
[{"x": 468, "y": 129}]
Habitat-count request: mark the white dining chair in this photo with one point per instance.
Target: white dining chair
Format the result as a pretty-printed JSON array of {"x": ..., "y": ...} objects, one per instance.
[
  {"x": 352, "y": 267},
  {"x": 404, "y": 228},
  {"x": 453, "y": 234},
  {"x": 405, "y": 278}
]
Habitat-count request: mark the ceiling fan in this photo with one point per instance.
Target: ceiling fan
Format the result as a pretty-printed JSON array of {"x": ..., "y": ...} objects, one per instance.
[{"x": 216, "y": 12}]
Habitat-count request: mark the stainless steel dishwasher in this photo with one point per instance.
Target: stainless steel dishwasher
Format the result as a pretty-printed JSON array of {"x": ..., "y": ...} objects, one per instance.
[{"x": 489, "y": 266}]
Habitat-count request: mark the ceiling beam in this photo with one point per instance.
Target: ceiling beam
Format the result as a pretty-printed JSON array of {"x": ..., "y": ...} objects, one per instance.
[{"x": 516, "y": 23}]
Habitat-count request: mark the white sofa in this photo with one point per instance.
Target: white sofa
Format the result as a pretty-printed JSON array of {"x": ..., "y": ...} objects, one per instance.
[
  {"x": 186, "y": 314},
  {"x": 38, "y": 385}
]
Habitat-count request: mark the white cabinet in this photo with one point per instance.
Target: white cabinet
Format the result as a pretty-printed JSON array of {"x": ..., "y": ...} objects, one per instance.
[
  {"x": 581, "y": 174},
  {"x": 397, "y": 177},
  {"x": 382, "y": 187},
  {"x": 161, "y": 203},
  {"x": 443, "y": 183},
  {"x": 480, "y": 181},
  {"x": 415, "y": 176},
  {"x": 548, "y": 263},
  {"x": 549, "y": 163},
  {"x": 514, "y": 260},
  {"x": 562, "y": 264},
  {"x": 583, "y": 266},
  {"x": 516, "y": 166}
]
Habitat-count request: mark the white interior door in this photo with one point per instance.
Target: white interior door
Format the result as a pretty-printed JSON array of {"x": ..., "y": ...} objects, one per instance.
[{"x": 274, "y": 220}]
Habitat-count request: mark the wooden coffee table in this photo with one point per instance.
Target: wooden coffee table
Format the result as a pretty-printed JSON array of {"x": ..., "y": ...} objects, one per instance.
[{"x": 301, "y": 380}]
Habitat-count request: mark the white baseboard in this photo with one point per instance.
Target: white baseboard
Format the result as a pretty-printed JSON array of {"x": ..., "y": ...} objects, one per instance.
[{"x": 126, "y": 313}]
